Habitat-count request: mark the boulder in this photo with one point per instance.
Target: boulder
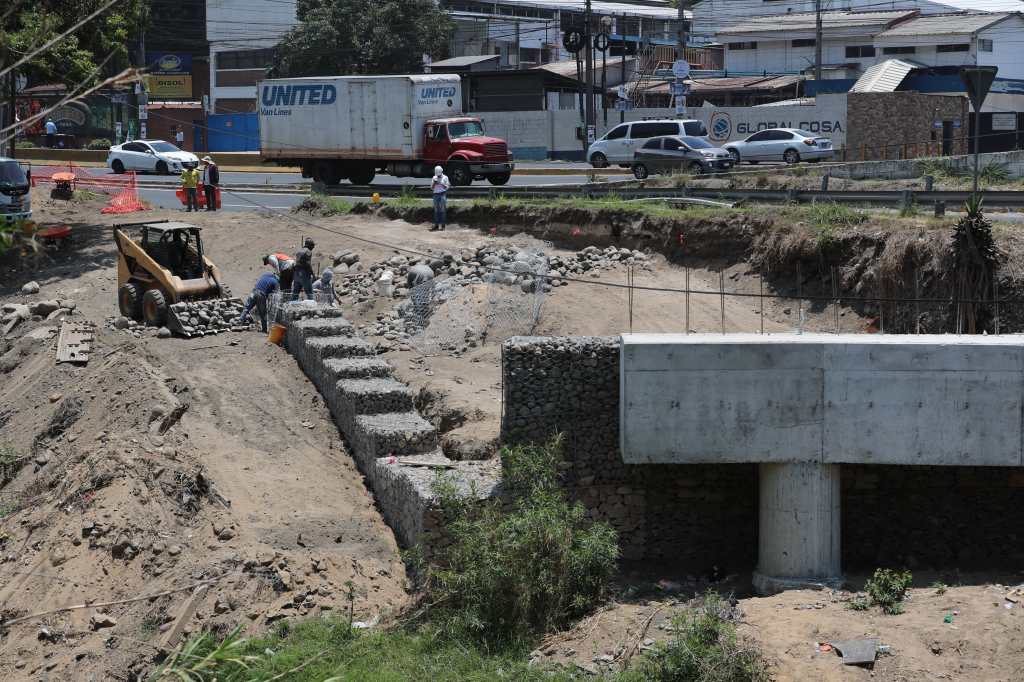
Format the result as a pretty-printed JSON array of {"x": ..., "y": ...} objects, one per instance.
[{"x": 30, "y": 288}]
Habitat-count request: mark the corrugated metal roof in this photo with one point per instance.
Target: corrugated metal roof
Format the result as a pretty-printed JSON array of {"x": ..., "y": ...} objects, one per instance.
[
  {"x": 943, "y": 24},
  {"x": 983, "y": 5},
  {"x": 797, "y": 21},
  {"x": 799, "y": 102},
  {"x": 885, "y": 76},
  {"x": 707, "y": 86},
  {"x": 466, "y": 61},
  {"x": 665, "y": 11},
  {"x": 567, "y": 68}
]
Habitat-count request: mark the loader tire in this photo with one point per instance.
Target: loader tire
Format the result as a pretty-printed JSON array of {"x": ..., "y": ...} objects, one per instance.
[
  {"x": 154, "y": 308},
  {"x": 129, "y": 300}
]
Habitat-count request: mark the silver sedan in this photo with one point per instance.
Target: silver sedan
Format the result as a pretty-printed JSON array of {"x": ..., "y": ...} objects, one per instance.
[{"x": 791, "y": 145}]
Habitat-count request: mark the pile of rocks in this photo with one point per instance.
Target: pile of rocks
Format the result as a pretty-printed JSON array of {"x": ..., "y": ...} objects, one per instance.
[
  {"x": 188, "y": 319},
  {"x": 14, "y": 314},
  {"x": 199, "y": 318},
  {"x": 594, "y": 260},
  {"x": 345, "y": 261}
]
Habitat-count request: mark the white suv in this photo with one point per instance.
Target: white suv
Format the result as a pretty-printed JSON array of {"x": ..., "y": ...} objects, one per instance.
[{"x": 619, "y": 143}]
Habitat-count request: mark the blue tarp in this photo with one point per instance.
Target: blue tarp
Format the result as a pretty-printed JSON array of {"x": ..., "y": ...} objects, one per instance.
[{"x": 234, "y": 132}]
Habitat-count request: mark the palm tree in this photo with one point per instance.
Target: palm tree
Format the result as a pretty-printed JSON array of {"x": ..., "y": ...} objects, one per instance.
[{"x": 976, "y": 258}]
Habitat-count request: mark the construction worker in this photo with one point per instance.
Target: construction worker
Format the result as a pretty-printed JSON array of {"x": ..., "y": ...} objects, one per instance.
[
  {"x": 323, "y": 288},
  {"x": 284, "y": 266},
  {"x": 303, "y": 278},
  {"x": 266, "y": 285},
  {"x": 190, "y": 183},
  {"x": 439, "y": 186},
  {"x": 211, "y": 179}
]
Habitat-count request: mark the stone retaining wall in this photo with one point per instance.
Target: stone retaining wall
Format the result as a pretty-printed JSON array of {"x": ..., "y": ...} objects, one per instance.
[
  {"x": 698, "y": 516},
  {"x": 393, "y": 446}
]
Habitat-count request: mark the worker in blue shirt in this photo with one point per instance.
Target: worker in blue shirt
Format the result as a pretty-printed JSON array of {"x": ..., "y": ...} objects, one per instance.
[
  {"x": 51, "y": 132},
  {"x": 266, "y": 285}
]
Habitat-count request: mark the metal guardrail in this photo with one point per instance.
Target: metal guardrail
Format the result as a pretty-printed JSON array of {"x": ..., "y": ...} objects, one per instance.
[{"x": 1002, "y": 199}]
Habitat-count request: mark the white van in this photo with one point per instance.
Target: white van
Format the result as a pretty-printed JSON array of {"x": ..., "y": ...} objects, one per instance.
[
  {"x": 15, "y": 197},
  {"x": 619, "y": 143}
]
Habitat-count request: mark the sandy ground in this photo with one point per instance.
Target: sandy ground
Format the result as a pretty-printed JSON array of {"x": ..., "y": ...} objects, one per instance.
[{"x": 255, "y": 454}]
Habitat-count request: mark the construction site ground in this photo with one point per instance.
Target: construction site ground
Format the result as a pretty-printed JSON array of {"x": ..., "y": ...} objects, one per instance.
[{"x": 167, "y": 464}]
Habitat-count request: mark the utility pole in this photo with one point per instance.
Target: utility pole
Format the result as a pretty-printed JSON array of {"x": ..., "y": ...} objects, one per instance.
[
  {"x": 12, "y": 144},
  {"x": 588, "y": 46},
  {"x": 817, "y": 42},
  {"x": 518, "y": 50},
  {"x": 680, "y": 59}
]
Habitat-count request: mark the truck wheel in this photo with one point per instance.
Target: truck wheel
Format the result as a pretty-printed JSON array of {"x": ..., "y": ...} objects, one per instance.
[
  {"x": 363, "y": 175},
  {"x": 459, "y": 174},
  {"x": 327, "y": 173},
  {"x": 501, "y": 179},
  {"x": 154, "y": 308},
  {"x": 129, "y": 300}
]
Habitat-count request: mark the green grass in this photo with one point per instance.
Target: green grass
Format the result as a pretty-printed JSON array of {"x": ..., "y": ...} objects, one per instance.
[
  {"x": 828, "y": 218},
  {"x": 324, "y": 205},
  {"x": 321, "y": 650},
  {"x": 407, "y": 199},
  {"x": 611, "y": 202}
]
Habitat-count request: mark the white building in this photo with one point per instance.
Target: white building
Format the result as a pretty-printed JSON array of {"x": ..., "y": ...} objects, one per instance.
[
  {"x": 710, "y": 16},
  {"x": 853, "y": 41},
  {"x": 242, "y": 35},
  {"x": 785, "y": 44}
]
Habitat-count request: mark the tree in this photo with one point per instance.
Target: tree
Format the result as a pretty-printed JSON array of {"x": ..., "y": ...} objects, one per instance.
[
  {"x": 976, "y": 261},
  {"x": 74, "y": 59},
  {"x": 338, "y": 37}
]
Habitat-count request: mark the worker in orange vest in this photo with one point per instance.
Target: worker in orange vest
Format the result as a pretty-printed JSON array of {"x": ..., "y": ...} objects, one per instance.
[{"x": 284, "y": 266}]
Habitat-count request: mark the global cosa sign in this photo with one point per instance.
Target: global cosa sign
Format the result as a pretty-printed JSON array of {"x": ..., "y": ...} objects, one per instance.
[{"x": 275, "y": 98}]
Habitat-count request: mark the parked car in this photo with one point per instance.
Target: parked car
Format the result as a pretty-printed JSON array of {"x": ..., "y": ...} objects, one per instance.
[
  {"x": 15, "y": 194},
  {"x": 791, "y": 145},
  {"x": 150, "y": 156},
  {"x": 669, "y": 154},
  {"x": 619, "y": 144}
]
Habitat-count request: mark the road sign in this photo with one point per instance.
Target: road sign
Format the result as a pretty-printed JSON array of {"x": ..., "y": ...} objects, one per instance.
[
  {"x": 623, "y": 105},
  {"x": 143, "y": 114},
  {"x": 622, "y": 92},
  {"x": 680, "y": 68},
  {"x": 977, "y": 80},
  {"x": 1005, "y": 121},
  {"x": 679, "y": 89}
]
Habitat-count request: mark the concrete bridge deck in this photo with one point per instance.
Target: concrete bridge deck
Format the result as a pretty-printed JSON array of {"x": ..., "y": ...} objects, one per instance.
[{"x": 801, "y": 405}]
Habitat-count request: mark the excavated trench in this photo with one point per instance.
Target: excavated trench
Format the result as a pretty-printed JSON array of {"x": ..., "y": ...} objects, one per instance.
[{"x": 876, "y": 269}]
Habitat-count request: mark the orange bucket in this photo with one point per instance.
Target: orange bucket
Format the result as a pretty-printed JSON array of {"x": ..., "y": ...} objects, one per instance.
[{"x": 276, "y": 335}]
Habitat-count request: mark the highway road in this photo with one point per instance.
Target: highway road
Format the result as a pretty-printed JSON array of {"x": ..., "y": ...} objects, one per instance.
[{"x": 160, "y": 191}]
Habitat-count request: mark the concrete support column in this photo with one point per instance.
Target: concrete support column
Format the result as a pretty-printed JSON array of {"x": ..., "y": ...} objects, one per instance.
[{"x": 798, "y": 541}]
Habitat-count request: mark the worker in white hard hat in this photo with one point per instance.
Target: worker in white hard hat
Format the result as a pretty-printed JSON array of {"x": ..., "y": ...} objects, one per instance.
[{"x": 439, "y": 185}]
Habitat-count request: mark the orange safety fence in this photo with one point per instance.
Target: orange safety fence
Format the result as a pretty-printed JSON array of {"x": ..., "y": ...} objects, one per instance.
[
  {"x": 127, "y": 200},
  {"x": 122, "y": 188}
]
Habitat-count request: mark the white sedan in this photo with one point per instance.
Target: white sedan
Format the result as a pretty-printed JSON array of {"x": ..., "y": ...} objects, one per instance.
[
  {"x": 152, "y": 156},
  {"x": 791, "y": 145}
]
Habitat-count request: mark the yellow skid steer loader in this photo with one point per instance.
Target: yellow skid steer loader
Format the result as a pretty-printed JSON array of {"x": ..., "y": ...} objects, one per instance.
[{"x": 161, "y": 263}]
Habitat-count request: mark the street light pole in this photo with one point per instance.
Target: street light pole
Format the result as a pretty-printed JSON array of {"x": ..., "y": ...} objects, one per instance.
[
  {"x": 817, "y": 43},
  {"x": 681, "y": 52},
  {"x": 588, "y": 46}
]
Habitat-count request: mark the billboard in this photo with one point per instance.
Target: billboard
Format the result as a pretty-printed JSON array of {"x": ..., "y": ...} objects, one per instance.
[{"x": 169, "y": 75}]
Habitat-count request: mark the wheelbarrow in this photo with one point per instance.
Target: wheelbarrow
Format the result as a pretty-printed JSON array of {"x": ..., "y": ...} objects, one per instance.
[
  {"x": 201, "y": 195},
  {"x": 64, "y": 185},
  {"x": 55, "y": 237}
]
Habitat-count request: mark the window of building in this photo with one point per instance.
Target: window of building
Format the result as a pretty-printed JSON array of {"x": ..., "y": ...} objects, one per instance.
[
  {"x": 958, "y": 47},
  {"x": 529, "y": 54},
  {"x": 245, "y": 59},
  {"x": 984, "y": 45},
  {"x": 859, "y": 51},
  {"x": 804, "y": 42},
  {"x": 749, "y": 45},
  {"x": 902, "y": 49}
]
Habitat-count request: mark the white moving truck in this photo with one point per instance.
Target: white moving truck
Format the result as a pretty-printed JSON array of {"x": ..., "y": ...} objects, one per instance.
[{"x": 353, "y": 127}]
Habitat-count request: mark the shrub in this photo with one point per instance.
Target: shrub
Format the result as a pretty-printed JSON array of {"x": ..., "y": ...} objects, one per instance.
[
  {"x": 527, "y": 570},
  {"x": 704, "y": 648},
  {"x": 994, "y": 173},
  {"x": 99, "y": 143},
  {"x": 25, "y": 144},
  {"x": 323, "y": 205},
  {"x": 887, "y": 588}
]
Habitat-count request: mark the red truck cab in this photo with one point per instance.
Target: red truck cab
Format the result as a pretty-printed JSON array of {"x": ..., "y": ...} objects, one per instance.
[{"x": 466, "y": 153}]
